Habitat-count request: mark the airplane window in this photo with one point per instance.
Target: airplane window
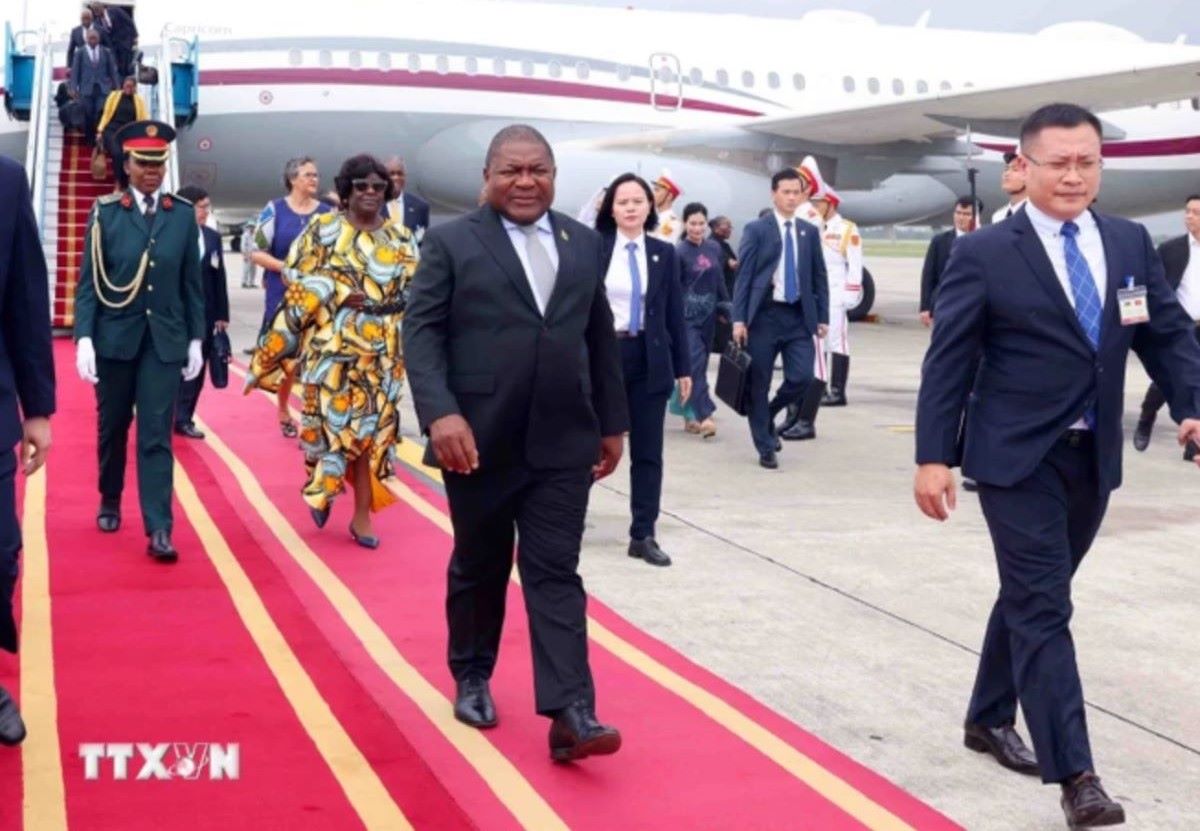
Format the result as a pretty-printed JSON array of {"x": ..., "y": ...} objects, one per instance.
[
  {"x": 499, "y": 69},
  {"x": 582, "y": 70},
  {"x": 848, "y": 84},
  {"x": 773, "y": 80},
  {"x": 443, "y": 64},
  {"x": 897, "y": 86},
  {"x": 798, "y": 81},
  {"x": 873, "y": 85},
  {"x": 922, "y": 87},
  {"x": 325, "y": 57},
  {"x": 414, "y": 62},
  {"x": 747, "y": 78},
  {"x": 295, "y": 57},
  {"x": 722, "y": 77},
  {"x": 355, "y": 58},
  {"x": 384, "y": 60},
  {"x": 944, "y": 86},
  {"x": 527, "y": 68},
  {"x": 1196, "y": 104},
  {"x": 696, "y": 76},
  {"x": 665, "y": 75},
  {"x": 555, "y": 69},
  {"x": 623, "y": 73},
  {"x": 471, "y": 65}
]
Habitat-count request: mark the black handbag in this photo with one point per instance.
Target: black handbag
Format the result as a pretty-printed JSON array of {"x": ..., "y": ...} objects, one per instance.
[
  {"x": 733, "y": 378},
  {"x": 220, "y": 353}
]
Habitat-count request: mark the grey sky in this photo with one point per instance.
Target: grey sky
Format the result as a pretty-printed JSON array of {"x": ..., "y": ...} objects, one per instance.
[{"x": 1161, "y": 20}]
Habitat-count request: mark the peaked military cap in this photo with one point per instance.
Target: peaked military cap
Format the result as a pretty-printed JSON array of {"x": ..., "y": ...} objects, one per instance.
[{"x": 148, "y": 141}]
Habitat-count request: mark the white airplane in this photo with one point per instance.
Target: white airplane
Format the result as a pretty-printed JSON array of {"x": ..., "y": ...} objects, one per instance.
[{"x": 895, "y": 115}]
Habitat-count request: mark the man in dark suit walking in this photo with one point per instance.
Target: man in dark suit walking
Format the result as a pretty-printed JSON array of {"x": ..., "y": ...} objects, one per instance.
[
  {"x": 121, "y": 31},
  {"x": 780, "y": 300},
  {"x": 1035, "y": 318},
  {"x": 1181, "y": 263},
  {"x": 78, "y": 39},
  {"x": 93, "y": 77},
  {"x": 412, "y": 210},
  {"x": 26, "y": 391},
  {"x": 938, "y": 254},
  {"x": 516, "y": 378},
  {"x": 216, "y": 308}
]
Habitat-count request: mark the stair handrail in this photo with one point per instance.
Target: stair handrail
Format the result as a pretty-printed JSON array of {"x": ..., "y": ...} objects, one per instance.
[
  {"x": 166, "y": 105},
  {"x": 38, "y": 144}
]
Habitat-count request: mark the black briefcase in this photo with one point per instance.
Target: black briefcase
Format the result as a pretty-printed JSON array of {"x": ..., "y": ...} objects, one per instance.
[
  {"x": 220, "y": 353},
  {"x": 733, "y": 378}
]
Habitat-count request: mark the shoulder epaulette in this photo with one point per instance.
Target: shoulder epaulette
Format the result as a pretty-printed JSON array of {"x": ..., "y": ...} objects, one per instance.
[
  {"x": 179, "y": 198},
  {"x": 110, "y": 198}
]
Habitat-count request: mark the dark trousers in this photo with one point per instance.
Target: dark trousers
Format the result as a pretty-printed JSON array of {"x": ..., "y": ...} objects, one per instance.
[
  {"x": 152, "y": 386},
  {"x": 1155, "y": 399},
  {"x": 545, "y": 510},
  {"x": 189, "y": 391},
  {"x": 700, "y": 335},
  {"x": 93, "y": 105},
  {"x": 1041, "y": 528},
  {"x": 778, "y": 329},
  {"x": 647, "y": 411},
  {"x": 10, "y": 548}
]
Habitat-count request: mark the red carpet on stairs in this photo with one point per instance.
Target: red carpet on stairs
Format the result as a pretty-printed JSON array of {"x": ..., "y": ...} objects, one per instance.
[
  {"x": 150, "y": 653},
  {"x": 77, "y": 191}
]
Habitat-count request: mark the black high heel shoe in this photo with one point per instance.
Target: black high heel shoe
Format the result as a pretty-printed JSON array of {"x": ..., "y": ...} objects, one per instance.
[
  {"x": 365, "y": 540},
  {"x": 319, "y": 517}
]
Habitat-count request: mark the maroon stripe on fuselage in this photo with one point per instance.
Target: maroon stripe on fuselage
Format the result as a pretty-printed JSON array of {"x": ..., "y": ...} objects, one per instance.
[
  {"x": 455, "y": 81},
  {"x": 1181, "y": 146}
]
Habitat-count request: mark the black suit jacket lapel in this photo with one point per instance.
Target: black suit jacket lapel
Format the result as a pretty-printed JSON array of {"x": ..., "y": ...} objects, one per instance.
[
  {"x": 1030, "y": 246},
  {"x": 487, "y": 227},
  {"x": 566, "y": 261},
  {"x": 656, "y": 265},
  {"x": 1110, "y": 321}
]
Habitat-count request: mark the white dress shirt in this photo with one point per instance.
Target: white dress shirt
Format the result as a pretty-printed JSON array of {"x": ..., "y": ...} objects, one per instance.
[
  {"x": 779, "y": 295},
  {"x": 396, "y": 209},
  {"x": 618, "y": 283},
  {"x": 1189, "y": 287},
  {"x": 1049, "y": 231},
  {"x": 545, "y": 237},
  {"x": 1002, "y": 214},
  {"x": 139, "y": 200}
]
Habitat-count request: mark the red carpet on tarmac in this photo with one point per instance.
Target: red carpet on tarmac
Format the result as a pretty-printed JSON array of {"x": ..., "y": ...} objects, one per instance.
[{"x": 324, "y": 663}]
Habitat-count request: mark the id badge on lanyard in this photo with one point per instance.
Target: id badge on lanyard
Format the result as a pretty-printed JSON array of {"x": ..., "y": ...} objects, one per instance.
[{"x": 1132, "y": 302}]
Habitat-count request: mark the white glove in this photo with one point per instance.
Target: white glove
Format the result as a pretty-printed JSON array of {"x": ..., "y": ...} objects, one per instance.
[
  {"x": 195, "y": 361},
  {"x": 85, "y": 360}
]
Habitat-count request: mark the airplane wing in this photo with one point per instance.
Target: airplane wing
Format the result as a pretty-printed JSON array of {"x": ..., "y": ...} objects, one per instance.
[{"x": 996, "y": 111}]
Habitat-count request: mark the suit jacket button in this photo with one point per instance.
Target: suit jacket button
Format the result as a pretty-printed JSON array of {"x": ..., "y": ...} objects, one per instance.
[
  {"x": 149, "y": 288},
  {"x": 152, "y": 263},
  {"x": 147, "y": 313}
]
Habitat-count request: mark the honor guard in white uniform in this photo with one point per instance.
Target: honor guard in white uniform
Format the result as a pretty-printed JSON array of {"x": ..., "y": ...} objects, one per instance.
[
  {"x": 666, "y": 191},
  {"x": 843, "y": 250},
  {"x": 1012, "y": 182}
]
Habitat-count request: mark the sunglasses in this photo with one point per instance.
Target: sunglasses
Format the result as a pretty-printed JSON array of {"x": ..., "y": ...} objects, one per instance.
[{"x": 363, "y": 185}]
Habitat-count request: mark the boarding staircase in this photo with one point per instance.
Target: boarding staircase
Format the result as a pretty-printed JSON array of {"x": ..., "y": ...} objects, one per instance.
[{"x": 58, "y": 162}]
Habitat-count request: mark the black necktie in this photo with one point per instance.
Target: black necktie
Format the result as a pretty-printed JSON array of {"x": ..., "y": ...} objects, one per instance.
[
  {"x": 1008, "y": 213},
  {"x": 148, "y": 201}
]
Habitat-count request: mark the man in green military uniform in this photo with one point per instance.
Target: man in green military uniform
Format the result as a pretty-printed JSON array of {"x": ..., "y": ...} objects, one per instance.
[{"x": 139, "y": 322}]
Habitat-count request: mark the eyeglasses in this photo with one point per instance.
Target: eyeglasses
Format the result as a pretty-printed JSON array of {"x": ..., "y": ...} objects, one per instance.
[
  {"x": 1085, "y": 166},
  {"x": 364, "y": 185}
]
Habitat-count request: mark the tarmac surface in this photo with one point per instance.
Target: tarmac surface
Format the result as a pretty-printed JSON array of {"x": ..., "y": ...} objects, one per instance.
[{"x": 821, "y": 590}]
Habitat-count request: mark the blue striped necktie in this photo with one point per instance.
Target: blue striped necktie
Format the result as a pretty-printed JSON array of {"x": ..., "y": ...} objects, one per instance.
[
  {"x": 1087, "y": 298},
  {"x": 635, "y": 297},
  {"x": 791, "y": 284}
]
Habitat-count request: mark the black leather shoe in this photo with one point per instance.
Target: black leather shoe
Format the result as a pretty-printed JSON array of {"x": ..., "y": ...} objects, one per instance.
[
  {"x": 12, "y": 728},
  {"x": 473, "y": 703},
  {"x": 800, "y": 431},
  {"x": 833, "y": 398},
  {"x": 108, "y": 518},
  {"x": 160, "y": 547},
  {"x": 188, "y": 431},
  {"x": 1141, "y": 434},
  {"x": 649, "y": 551},
  {"x": 1086, "y": 805},
  {"x": 1005, "y": 745},
  {"x": 793, "y": 415},
  {"x": 768, "y": 460},
  {"x": 576, "y": 734}
]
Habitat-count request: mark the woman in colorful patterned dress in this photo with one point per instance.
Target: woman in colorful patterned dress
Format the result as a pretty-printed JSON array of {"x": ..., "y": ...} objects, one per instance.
[
  {"x": 347, "y": 276},
  {"x": 280, "y": 222}
]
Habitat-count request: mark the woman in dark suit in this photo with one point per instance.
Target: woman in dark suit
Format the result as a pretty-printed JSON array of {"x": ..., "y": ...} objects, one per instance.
[{"x": 644, "y": 290}]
